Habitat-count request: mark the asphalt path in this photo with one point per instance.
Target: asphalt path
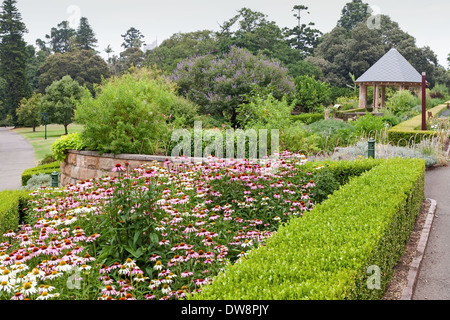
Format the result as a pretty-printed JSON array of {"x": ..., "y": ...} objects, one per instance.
[
  {"x": 16, "y": 155},
  {"x": 433, "y": 282}
]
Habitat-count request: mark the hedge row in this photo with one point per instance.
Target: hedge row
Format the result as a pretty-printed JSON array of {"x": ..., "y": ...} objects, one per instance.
[
  {"x": 12, "y": 204},
  {"x": 45, "y": 168},
  {"x": 327, "y": 253},
  {"x": 308, "y": 118},
  {"x": 409, "y": 132}
]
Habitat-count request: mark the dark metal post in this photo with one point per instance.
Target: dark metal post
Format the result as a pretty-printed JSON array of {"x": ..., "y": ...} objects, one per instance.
[
  {"x": 371, "y": 152},
  {"x": 55, "y": 177},
  {"x": 424, "y": 102}
]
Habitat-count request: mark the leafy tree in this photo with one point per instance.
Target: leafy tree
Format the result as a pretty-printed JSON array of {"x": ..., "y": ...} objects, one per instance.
[
  {"x": 181, "y": 46},
  {"x": 303, "y": 37},
  {"x": 131, "y": 57},
  {"x": 28, "y": 111},
  {"x": 219, "y": 85},
  {"x": 132, "y": 38},
  {"x": 60, "y": 38},
  {"x": 84, "y": 66},
  {"x": 13, "y": 57},
  {"x": 353, "y": 13},
  {"x": 85, "y": 36},
  {"x": 60, "y": 98},
  {"x": 311, "y": 94},
  {"x": 448, "y": 60}
]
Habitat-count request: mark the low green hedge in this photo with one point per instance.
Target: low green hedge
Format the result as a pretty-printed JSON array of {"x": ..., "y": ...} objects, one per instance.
[
  {"x": 326, "y": 254},
  {"x": 308, "y": 118},
  {"x": 45, "y": 168},
  {"x": 12, "y": 204},
  {"x": 409, "y": 132}
]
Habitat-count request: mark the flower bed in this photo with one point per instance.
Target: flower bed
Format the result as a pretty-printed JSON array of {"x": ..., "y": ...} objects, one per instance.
[
  {"x": 329, "y": 253},
  {"x": 158, "y": 233}
]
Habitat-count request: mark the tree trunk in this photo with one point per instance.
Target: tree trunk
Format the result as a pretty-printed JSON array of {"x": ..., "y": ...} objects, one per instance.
[
  {"x": 65, "y": 128},
  {"x": 34, "y": 129}
]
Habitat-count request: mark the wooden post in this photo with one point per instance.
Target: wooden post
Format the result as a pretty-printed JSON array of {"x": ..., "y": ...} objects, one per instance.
[
  {"x": 383, "y": 97},
  {"x": 362, "y": 96},
  {"x": 424, "y": 102}
]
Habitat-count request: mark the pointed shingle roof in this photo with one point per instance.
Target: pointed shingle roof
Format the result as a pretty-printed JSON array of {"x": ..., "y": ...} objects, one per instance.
[{"x": 392, "y": 67}]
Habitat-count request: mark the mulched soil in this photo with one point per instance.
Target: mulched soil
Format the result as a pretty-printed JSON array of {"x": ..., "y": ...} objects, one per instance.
[{"x": 399, "y": 280}]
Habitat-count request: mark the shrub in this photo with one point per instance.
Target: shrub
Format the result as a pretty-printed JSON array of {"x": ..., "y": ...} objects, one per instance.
[
  {"x": 46, "y": 168},
  {"x": 12, "y": 204},
  {"x": 133, "y": 114},
  {"x": 308, "y": 118},
  {"x": 326, "y": 254},
  {"x": 219, "y": 85},
  {"x": 73, "y": 141},
  {"x": 368, "y": 125},
  {"x": 331, "y": 133},
  {"x": 402, "y": 101},
  {"x": 311, "y": 94},
  {"x": 38, "y": 180}
]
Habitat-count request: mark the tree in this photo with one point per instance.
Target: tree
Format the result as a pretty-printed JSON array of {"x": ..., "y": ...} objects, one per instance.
[
  {"x": 311, "y": 94},
  {"x": 131, "y": 57},
  {"x": 219, "y": 85},
  {"x": 353, "y": 13},
  {"x": 59, "y": 101},
  {"x": 302, "y": 37},
  {"x": 60, "y": 38},
  {"x": 13, "y": 57},
  {"x": 84, "y": 66},
  {"x": 132, "y": 38},
  {"x": 28, "y": 111},
  {"x": 85, "y": 36},
  {"x": 181, "y": 46}
]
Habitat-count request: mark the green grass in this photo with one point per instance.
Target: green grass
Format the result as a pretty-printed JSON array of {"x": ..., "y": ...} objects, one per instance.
[{"x": 37, "y": 139}]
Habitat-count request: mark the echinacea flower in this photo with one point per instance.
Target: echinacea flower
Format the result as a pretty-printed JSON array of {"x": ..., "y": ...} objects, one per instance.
[{"x": 119, "y": 168}]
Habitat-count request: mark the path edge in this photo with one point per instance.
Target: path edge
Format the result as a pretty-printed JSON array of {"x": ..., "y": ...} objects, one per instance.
[{"x": 414, "y": 268}]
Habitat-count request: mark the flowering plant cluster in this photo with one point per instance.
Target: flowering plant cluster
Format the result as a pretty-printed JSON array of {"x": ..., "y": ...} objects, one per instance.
[{"x": 157, "y": 232}]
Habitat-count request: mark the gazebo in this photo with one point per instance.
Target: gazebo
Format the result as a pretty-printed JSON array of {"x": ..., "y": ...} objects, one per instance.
[{"x": 391, "y": 70}]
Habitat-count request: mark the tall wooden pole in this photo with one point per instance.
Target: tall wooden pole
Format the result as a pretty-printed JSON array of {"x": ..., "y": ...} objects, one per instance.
[{"x": 424, "y": 102}]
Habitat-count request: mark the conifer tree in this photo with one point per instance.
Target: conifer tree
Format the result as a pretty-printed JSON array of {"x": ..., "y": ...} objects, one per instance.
[{"x": 85, "y": 38}]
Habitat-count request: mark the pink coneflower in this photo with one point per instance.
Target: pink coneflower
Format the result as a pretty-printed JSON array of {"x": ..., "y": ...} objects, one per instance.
[
  {"x": 190, "y": 228},
  {"x": 109, "y": 291},
  {"x": 119, "y": 168},
  {"x": 187, "y": 274}
]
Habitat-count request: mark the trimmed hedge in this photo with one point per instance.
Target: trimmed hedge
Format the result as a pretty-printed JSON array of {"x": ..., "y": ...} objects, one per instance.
[
  {"x": 410, "y": 131},
  {"x": 325, "y": 254},
  {"x": 12, "y": 204},
  {"x": 45, "y": 168},
  {"x": 308, "y": 118}
]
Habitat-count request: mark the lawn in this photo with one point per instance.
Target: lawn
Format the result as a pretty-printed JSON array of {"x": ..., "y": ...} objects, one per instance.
[{"x": 37, "y": 139}]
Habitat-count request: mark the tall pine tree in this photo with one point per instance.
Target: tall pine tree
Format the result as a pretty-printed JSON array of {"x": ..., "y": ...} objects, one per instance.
[
  {"x": 13, "y": 58},
  {"x": 85, "y": 37}
]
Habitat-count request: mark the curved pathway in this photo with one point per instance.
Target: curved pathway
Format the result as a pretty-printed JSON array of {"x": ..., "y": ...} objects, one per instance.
[
  {"x": 433, "y": 282},
  {"x": 16, "y": 155}
]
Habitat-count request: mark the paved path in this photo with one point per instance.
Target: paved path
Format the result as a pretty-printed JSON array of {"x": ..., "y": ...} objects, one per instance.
[
  {"x": 433, "y": 282},
  {"x": 16, "y": 155}
]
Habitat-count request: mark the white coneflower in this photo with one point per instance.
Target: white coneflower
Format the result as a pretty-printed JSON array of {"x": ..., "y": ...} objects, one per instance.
[
  {"x": 44, "y": 296},
  {"x": 140, "y": 278},
  {"x": 247, "y": 243},
  {"x": 63, "y": 266},
  {"x": 166, "y": 289},
  {"x": 28, "y": 288},
  {"x": 7, "y": 286},
  {"x": 45, "y": 288},
  {"x": 129, "y": 263},
  {"x": 158, "y": 265}
]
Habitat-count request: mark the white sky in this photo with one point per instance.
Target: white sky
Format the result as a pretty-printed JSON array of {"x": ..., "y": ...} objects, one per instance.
[{"x": 427, "y": 21}]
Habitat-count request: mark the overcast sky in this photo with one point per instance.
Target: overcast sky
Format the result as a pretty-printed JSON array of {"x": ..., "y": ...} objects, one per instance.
[{"x": 427, "y": 21}]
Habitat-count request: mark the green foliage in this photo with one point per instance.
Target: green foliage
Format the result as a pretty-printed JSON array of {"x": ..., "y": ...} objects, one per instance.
[
  {"x": 84, "y": 66},
  {"x": 325, "y": 254},
  {"x": 38, "y": 180},
  {"x": 296, "y": 138},
  {"x": 45, "y": 169},
  {"x": 59, "y": 37},
  {"x": 85, "y": 37},
  {"x": 132, "y": 38},
  {"x": 353, "y": 13},
  {"x": 73, "y": 141},
  {"x": 331, "y": 133},
  {"x": 220, "y": 85},
  {"x": 60, "y": 99},
  {"x": 369, "y": 125},
  {"x": 12, "y": 204},
  {"x": 308, "y": 118},
  {"x": 28, "y": 111},
  {"x": 402, "y": 101},
  {"x": 311, "y": 94},
  {"x": 264, "y": 112},
  {"x": 134, "y": 113}
]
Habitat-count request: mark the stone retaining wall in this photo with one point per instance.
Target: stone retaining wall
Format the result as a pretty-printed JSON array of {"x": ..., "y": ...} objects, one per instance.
[{"x": 84, "y": 165}]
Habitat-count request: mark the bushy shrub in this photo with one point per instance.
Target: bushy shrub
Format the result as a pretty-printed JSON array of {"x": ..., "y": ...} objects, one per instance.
[
  {"x": 312, "y": 95},
  {"x": 219, "y": 85},
  {"x": 45, "y": 168},
  {"x": 368, "y": 125},
  {"x": 308, "y": 118},
  {"x": 38, "y": 180},
  {"x": 331, "y": 133},
  {"x": 72, "y": 141},
  {"x": 402, "y": 101},
  {"x": 133, "y": 114}
]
